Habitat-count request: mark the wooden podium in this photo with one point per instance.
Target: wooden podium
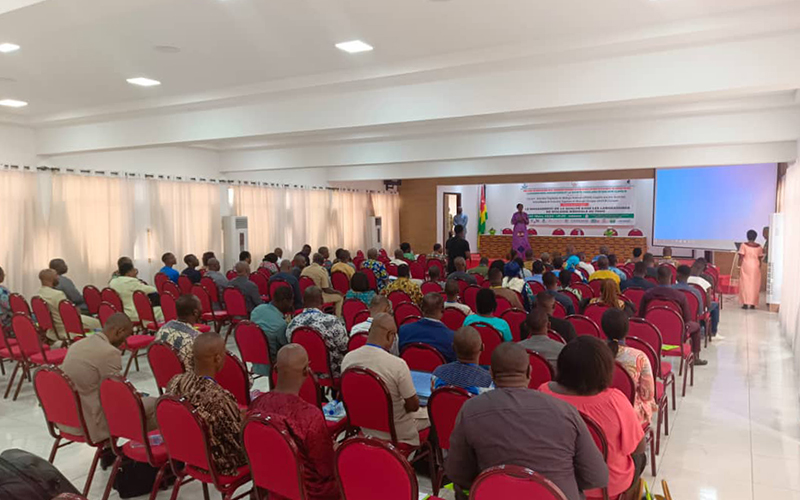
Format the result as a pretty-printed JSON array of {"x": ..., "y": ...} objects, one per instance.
[{"x": 497, "y": 246}]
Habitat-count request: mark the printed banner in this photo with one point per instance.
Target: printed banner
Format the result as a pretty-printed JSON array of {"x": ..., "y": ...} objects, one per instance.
[{"x": 607, "y": 203}]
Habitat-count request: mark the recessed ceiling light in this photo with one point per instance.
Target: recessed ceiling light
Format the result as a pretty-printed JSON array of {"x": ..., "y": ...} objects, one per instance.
[
  {"x": 144, "y": 82},
  {"x": 13, "y": 103},
  {"x": 5, "y": 79},
  {"x": 354, "y": 46},
  {"x": 8, "y": 47}
]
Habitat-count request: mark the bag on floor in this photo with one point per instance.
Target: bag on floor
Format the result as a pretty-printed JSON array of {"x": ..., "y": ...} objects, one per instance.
[
  {"x": 24, "y": 475},
  {"x": 134, "y": 478}
]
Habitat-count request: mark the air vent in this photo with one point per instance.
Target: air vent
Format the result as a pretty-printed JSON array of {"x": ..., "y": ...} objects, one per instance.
[{"x": 241, "y": 223}]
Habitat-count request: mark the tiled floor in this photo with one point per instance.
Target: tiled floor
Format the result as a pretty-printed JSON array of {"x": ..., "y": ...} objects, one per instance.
[{"x": 736, "y": 435}]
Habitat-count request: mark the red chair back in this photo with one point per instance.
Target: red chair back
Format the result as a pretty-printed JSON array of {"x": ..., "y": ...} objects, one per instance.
[
  {"x": 42, "y": 313},
  {"x": 430, "y": 287},
  {"x": 112, "y": 297},
  {"x": 261, "y": 281},
  {"x": 622, "y": 380},
  {"x": 462, "y": 287},
  {"x": 405, "y": 310},
  {"x": 397, "y": 297},
  {"x": 168, "y": 306},
  {"x": 647, "y": 349},
  {"x": 277, "y": 283},
  {"x": 124, "y": 412},
  {"x": 252, "y": 343},
  {"x": 541, "y": 370},
  {"x": 586, "y": 290},
  {"x": 60, "y": 401},
  {"x": 669, "y": 304},
  {"x": 185, "y": 284},
  {"x": 417, "y": 270},
  {"x": 669, "y": 323},
  {"x": 211, "y": 288},
  {"x": 559, "y": 311},
  {"x": 409, "y": 319},
  {"x": 349, "y": 309},
  {"x": 234, "y": 378},
  {"x": 143, "y": 308},
  {"x": 27, "y": 336},
  {"x": 171, "y": 287},
  {"x": 635, "y": 295},
  {"x": 597, "y": 434},
  {"x": 635, "y": 232},
  {"x": 356, "y": 341},
  {"x": 18, "y": 304},
  {"x": 469, "y": 295},
  {"x": 651, "y": 279},
  {"x": 93, "y": 298},
  {"x": 453, "y": 318},
  {"x": 318, "y": 359},
  {"x": 159, "y": 281},
  {"x": 584, "y": 326},
  {"x": 305, "y": 282},
  {"x": 595, "y": 312},
  {"x": 310, "y": 392},
  {"x": 422, "y": 357},
  {"x": 164, "y": 363},
  {"x": 536, "y": 287},
  {"x": 443, "y": 407},
  {"x": 694, "y": 304},
  {"x": 436, "y": 263},
  {"x": 340, "y": 282},
  {"x": 361, "y": 316},
  {"x": 673, "y": 271},
  {"x": 503, "y": 305},
  {"x": 646, "y": 332},
  {"x": 367, "y": 401},
  {"x": 231, "y": 274},
  {"x": 391, "y": 269},
  {"x": 514, "y": 481},
  {"x": 515, "y": 318},
  {"x": 555, "y": 336},
  {"x": 574, "y": 298},
  {"x": 234, "y": 302},
  {"x": 106, "y": 311},
  {"x": 71, "y": 318},
  {"x": 596, "y": 286},
  {"x": 200, "y": 292},
  {"x": 185, "y": 433},
  {"x": 491, "y": 339},
  {"x": 558, "y": 232},
  {"x": 365, "y": 466},
  {"x": 703, "y": 294},
  {"x": 507, "y": 230},
  {"x": 373, "y": 281},
  {"x": 280, "y": 472}
]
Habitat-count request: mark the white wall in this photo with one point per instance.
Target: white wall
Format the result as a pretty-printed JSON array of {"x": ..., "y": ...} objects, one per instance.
[
  {"x": 17, "y": 145},
  {"x": 177, "y": 161}
]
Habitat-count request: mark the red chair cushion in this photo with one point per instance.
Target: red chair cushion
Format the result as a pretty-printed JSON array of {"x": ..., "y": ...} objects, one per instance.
[
  {"x": 136, "y": 451},
  {"x": 666, "y": 369},
  {"x": 687, "y": 350},
  {"x": 135, "y": 342},
  {"x": 204, "y": 477},
  {"x": 14, "y": 354},
  {"x": 54, "y": 357},
  {"x": 203, "y": 328},
  {"x": 215, "y": 316},
  {"x": 406, "y": 449},
  {"x": 659, "y": 390},
  {"x": 336, "y": 428}
]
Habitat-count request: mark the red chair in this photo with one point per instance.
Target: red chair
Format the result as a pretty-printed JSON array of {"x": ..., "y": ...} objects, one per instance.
[
  {"x": 391, "y": 269},
  {"x": 647, "y": 332},
  {"x": 417, "y": 270},
  {"x": 234, "y": 378},
  {"x": 43, "y": 317},
  {"x": 661, "y": 395},
  {"x": 253, "y": 345},
  {"x": 172, "y": 287},
  {"x": 373, "y": 281},
  {"x": 159, "y": 281},
  {"x": 31, "y": 350},
  {"x": 279, "y": 472},
  {"x": 595, "y": 312},
  {"x": 106, "y": 311},
  {"x": 443, "y": 407},
  {"x": 453, "y": 318},
  {"x": 541, "y": 370},
  {"x": 576, "y": 232},
  {"x": 124, "y": 412},
  {"x": 262, "y": 282},
  {"x": 503, "y": 305},
  {"x": 536, "y": 287},
  {"x": 408, "y": 320},
  {"x": 491, "y": 339},
  {"x": 586, "y": 290},
  {"x": 319, "y": 359},
  {"x": 71, "y": 318},
  {"x": 365, "y": 466},
  {"x": 219, "y": 318},
  {"x": 673, "y": 271},
  {"x": 703, "y": 318},
  {"x": 135, "y": 343},
  {"x": 186, "y": 437},
  {"x": 93, "y": 298},
  {"x": 305, "y": 282},
  {"x": 357, "y": 340},
  {"x": 211, "y": 288},
  {"x": 600, "y": 440},
  {"x": 513, "y": 481},
  {"x": 555, "y": 336},
  {"x": 584, "y": 326},
  {"x": 480, "y": 279},
  {"x": 669, "y": 304},
  {"x": 277, "y": 283},
  {"x": 405, "y": 310},
  {"x": 462, "y": 286},
  {"x": 361, "y": 316},
  {"x": 422, "y": 357},
  {"x": 18, "y": 304},
  {"x": 436, "y": 263},
  {"x": 430, "y": 287},
  {"x": 185, "y": 284},
  {"x": 349, "y": 309},
  {"x": 651, "y": 279},
  {"x": 469, "y": 296},
  {"x": 577, "y": 276},
  {"x": 635, "y": 232},
  {"x": 532, "y": 232},
  {"x": 164, "y": 363},
  {"x": 397, "y": 297},
  {"x": 62, "y": 408},
  {"x": 340, "y": 282},
  {"x": 507, "y": 230},
  {"x": 574, "y": 298},
  {"x": 673, "y": 333},
  {"x": 559, "y": 310},
  {"x": 623, "y": 382},
  {"x": 236, "y": 308},
  {"x": 515, "y": 318},
  {"x": 145, "y": 311},
  {"x": 9, "y": 350},
  {"x": 231, "y": 274},
  {"x": 635, "y": 294},
  {"x": 596, "y": 286},
  {"x": 168, "y": 307},
  {"x": 558, "y": 232}
]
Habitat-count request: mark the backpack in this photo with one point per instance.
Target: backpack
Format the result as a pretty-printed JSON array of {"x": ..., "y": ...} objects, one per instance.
[{"x": 25, "y": 475}]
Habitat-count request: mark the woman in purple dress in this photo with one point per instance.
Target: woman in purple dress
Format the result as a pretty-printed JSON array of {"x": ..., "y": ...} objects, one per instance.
[{"x": 519, "y": 240}]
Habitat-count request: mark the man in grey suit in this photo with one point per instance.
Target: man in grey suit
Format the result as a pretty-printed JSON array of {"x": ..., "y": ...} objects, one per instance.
[
  {"x": 67, "y": 286},
  {"x": 242, "y": 282}
]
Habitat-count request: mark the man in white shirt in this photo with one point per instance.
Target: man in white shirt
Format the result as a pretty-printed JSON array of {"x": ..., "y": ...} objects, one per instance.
[
  {"x": 399, "y": 259},
  {"x": 451, "y": 290},
  {"x": 698, "y": 268},
  {"x": 585, "y": 265},
  {"x": 378, "y": 305},
  {"x": 126, "y": 284}
]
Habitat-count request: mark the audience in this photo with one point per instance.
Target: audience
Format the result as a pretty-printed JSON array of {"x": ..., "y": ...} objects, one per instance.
[
  {"x": 497, "y": 428},
  {"x": 219, "y": 279},
  {"x": 271, "y": 318},
  {"x": 565, "y": 279},
  {"x": 457, "y": 247},
  {"x": 603, "y": 272},
  {"x": 638, "y": 280},
  {"x": 529, "y": 259},
  {"x": 551, "y": 283},
  {"x": 66, "y": 285},
  {"x": 437, "y": 253},
  {"x": 482, "y": 268},
  {"x": 650, "y": 265},
  {"x": 637, "y": 256},
  {"x": 169, "y": 260},
  {"x": 319, "y": 275},
  {"x": 547, "y": 303},
  {"x": 612, "y": 266},
  {"x": 125, "y": 285},
  {"x": 496, "y": 280},
  {"x": 430, "y": 330},
  {"x": 329, "y": 327},
  {"x": 584, "y": 374},
  {"x": 537, "y": 271},
  {"x": 451, "y": 290},
  {"x": 205, "y": 258},
  {"x": 409, "y": 418},
  {"x": 602, "y": 253},
  {"x": 696, "y": 278},
  {"x": 399, "y": 259},
  {"x": 664, "y": 291},
  {"x": 5, "y": 306},
  {"x": 214, "y": 405},
  {"x": 298, "y": 264},
  {"x": 558, "y": 265},
  {"x": 343, "y": 264},
  {"x": 378, "y": 269},
  {"x": 359, "y": 289},
  {"x": 244, "y": 256},
  {"x": 513, "y": 281},
  {"x": 270, "y": 263},
  {"x": 286, "y": 276},
  {"x": 460, "y": 272},
  {"x": 609, "y": 295},
  {"x": 636, "y": 363},
  {"x": 435, "y": 276},
  {"x": 379, "y": 305},
  {"x": 546, "y": 261},
  {"x": 666, "y": 256},
  {"x": 242, "y": 283},
  {"x": 534, "y": 331},
  {"x": 464, "y": 372},
  {"x": 191, "y": 271},
  {"x": 303, "y": 421},
  {"x": 403, "y": 283},
  {"x": 306, "y": 251},
  {"x": 279, "y": 252},
  {"x": 683, "y": 275},
  {"x": 180, "y": 333},
  {"x": 326, "y": 258},
  {"x": 588, "y": 268},
  {"x": 486, "y": 304},
  {"x": 407, "y": 253}
]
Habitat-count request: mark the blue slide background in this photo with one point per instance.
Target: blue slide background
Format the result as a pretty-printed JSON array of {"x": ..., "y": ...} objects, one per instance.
[{"x": 710, "y": 204}]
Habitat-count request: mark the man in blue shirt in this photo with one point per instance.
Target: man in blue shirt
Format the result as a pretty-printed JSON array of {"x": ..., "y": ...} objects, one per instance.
[
  {"x": 461, "y": 219},
  {"x": 682, "y": 277},
  {"x": 551, "y": 285},
  {"x": 287, "y": 276},
  {"x": 612, "y": 266},
  {"x": 603, "y": 253},
  {"x": 430, "y": 330},
  {"x": 271, "y": 318},
  {"x": 638, "y": 280},
  {"x": 465, "y": 371},
  {"x": 169, "y": 260}
]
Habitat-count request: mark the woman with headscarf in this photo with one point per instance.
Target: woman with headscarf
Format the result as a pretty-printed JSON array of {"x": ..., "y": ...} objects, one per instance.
[{"x": 513, "y": 279}]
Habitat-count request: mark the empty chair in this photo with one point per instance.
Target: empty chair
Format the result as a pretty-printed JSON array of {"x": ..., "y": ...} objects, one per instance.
[
  {"x": 513, "y": 481},
  {"x": 595, "y": 312},
  {"x": 145, "y": 311},
  {"x": 503, "y": 305},
  {"x": 105, "y": 311},
  {"x": 172, "y": 287},
  {"x": 164, "y": 363},
  {"x": 93, "y": 298},
  {"x": 673, "y": 333},
  {"x": 430, "y": 287},
  {"x": 43, "y": 316},
  {"x": 280, "y": 471},
  {"x": 584, "y": 325},
  {"x": 453, "y": 318},
  {"x": 18, "y": 304},
  {"x": 405, "y": 310},
  {"x": 159, "y": 281},
  {"x": 71, "y": 318},
  {"x": 443, "y": 407},
  {"x": 340, "y": 282},
  {"x": 349, "y": 309},
  {"x": 112, "y": 297},
  {"x": 185, "y": 284},
  {"x": 398, "y": 297},
  {"x": 252, "y": 344},
  {"x": 319, "y": 360},
  {"x": 218, "y": 317},
  {"x": 168, "y": 306},
  {"x": 469, "y": 295},
  {"x": 31, "y": 351}
]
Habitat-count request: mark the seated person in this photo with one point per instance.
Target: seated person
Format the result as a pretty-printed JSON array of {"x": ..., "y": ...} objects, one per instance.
[
  {"x": 286, "y": 275},
  {"x": 271, "y": 318},
  {"x": 461, "y": 272},
  {"x": 169, "y": 261},
  {"x": 378, "y": 269},
  {"x": 67, "y": 286},
  {"x": 437, "y": 253},
  {"x": 565, "y": 280},
  {"x": 403, "y": 283},
  {"x": 205, "y": 258},
  {"x": 451, "y": 291},
  {"x": 191, "y": 271},
  {"x": 213, "y": 404},
  {"x": 49, "y": 280},
  {"x": 546, "y": 260},
  {"x": 329, "y": 327},
  {"x": 558, "y": 265},
  {"x": 242, "y": 283},
  {"x": 696, "y": 278},
  {"x": 547, "y": 303},
  {"x": 682, "y": 283},
  {"x": 530, "y": 258},
  {"x": 486, "y": 303},
  {"x": 219, "y": 279},
  {"x": 494, "y": 429},
  {"x": 343, "y": 264},
  {"x": 587, "y": 267},
  {"x": 359, "y": 289},
  {"x": 270, "y": 263},
  {"x": 636, "y": 256},
  {"x": 603, "y": 272},
  {"x": 615, "y": 325},
  {"x": 512, "y": 279},
  {"x": 399, "y": 259},
  {"x": 126, "y": 284},
  {"x": 650, "y": 264},
  {"x": 303, "y": 421},
  {"x": 407, "y": 253},
  {"x": 279, "y": 252},
  {"x": 612, "y": 266},
  {"x": 435, "y": 276},
  {"x": 379, "y": 305},
  {"x": 299, "y": 263},
  {"x": 92, "y": 360},
  {"x": 464, "y": 372},
  {"x": 550, "y": 282},
  {"x": 326, "y": 258},
  {"x": 496, "y": 279},
  {"x": 584, "y": 373},
  {"x": 603, "y": 252},
  {"x": 409, "y": 418},
  {"x": 180, "y": 333},
  {"x": 666, "y": 256},
  {"x": 537, "y": 270},
  {"x": 319, "y": 275},
  {"x": 482, "y": 268},
  {"x": 534, "y": 331},
  {"x": 120, "y": 261},
  {"x": 609, "y": 295},
  {"x": 5, "y": 307},
  {"x": 638, "y": 280},
  {"x": 430, "y": 330}
]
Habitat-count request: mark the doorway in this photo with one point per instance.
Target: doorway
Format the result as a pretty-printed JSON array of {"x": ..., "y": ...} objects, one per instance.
[{"x": 450, "y": 204}]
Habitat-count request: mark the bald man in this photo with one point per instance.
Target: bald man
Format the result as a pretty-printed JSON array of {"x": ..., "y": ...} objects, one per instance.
[
  {"x": 48, "y": 292},
  {"x": 430, "y": 330},
  {"x": 216, "y": 406},
  {"x": 242, "y": 283},
  {"x": 409, "y": 419},
  {"x": 219, "y": 279},
  {"x": 495, "y": 428},
  {"x": 460, "y": 272},
  {"x": 66, "y": 285},
  {"x": 378, "y": 269},
  {"x": 303, "y": 421},
  {"x": 319, "y": 275},
  {"x": 465, "y": 371},
  {"x": 286, "y": 275}
]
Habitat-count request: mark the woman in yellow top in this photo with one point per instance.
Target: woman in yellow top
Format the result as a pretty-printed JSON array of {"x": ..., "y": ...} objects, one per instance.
[{"x": 609, "y": 295}]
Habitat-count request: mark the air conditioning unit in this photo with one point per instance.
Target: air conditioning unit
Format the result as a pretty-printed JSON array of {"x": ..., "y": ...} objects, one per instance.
[
  {"x": 375, "y": 237},
  {"x": 234, "y": 239}
]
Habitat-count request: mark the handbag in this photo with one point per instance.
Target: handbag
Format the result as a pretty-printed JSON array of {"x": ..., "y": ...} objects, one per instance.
[{"x": 134, "y": 478}]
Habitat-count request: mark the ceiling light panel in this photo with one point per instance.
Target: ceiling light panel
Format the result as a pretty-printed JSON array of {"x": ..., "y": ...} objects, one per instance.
[
  {"x": 13, "y": 103},
  {"x": 143, "y": 82},
  {"x": 5, "y": 48},
  {"x": 354, "y": 46}
]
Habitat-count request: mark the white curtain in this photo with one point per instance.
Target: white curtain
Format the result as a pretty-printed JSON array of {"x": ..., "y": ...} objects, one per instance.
[
  {"x": 387, "y": 207},
  {"x": 790, "y": 294},
  {"x": 22, "y": 233}
]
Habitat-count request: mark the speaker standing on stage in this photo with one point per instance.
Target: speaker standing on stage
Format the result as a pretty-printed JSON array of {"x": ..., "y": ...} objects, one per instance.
[{"x": 519, "y": 240}]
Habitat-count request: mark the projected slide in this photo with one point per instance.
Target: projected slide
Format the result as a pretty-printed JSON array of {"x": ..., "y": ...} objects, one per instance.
[{"x": 712, "y": 207}]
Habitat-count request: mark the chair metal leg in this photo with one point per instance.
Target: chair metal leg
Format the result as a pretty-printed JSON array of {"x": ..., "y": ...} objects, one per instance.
[
  {"x": 54, "y": 449},
  {"x": 130, "y": 360},
  {"x": 659, "y": 421},
  {"x": 136, "y": 362},
  {"x": 685, "y": 376},
  {"x": 674, "y": 398},
  {"x": 159, "y": 480},
  {"x": 176, "y": 488},
  {"x": 652, "y": 454},
  {"x": 205, "y": 492},
  {"x": 11, "y": 380},
  {"x": 666, "y": 419},
  {"x": 2, "y": 366},
  {"x": 21, "y": 380},
  {"x": 112, "y": 476},
  {"x": 92, "y": 469}
]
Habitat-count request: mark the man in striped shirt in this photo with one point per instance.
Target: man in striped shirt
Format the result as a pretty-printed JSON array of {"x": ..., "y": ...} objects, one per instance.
[{"x": 465, "y": 372}]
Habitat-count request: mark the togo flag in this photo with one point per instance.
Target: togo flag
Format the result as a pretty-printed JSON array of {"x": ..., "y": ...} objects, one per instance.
[{"x": 483, "y": 215}]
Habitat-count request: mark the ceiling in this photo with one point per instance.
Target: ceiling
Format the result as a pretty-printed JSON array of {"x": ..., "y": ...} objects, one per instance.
[{"x": 77, "y": 54}]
